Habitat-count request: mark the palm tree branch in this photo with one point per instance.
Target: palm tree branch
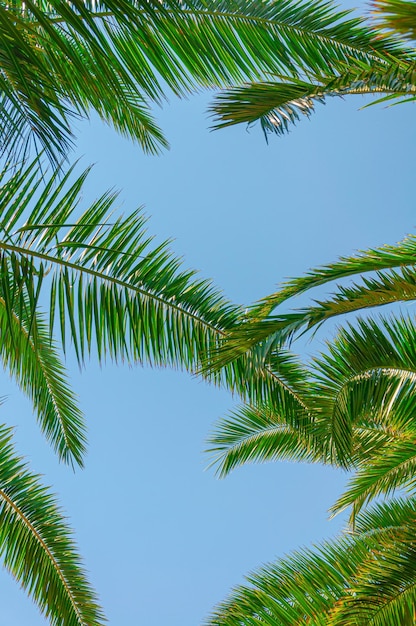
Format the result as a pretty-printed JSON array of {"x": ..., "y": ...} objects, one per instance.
[
  {"x": 131, "y": 46},
  {"x": 367, "y": 376},
  {"x": 277, "y": 105},
  {"x": 31, "y": 524},
  {"x": 307, "y": 20},
  {"x": 393, "y": 468},
  {"x": 20, "y": 514},
  {"x": 104, "y": 261},
  {"x": 29, "y": 253},
  {"x": 387, "y": 287},
  {"x": 259, "y": 434}
]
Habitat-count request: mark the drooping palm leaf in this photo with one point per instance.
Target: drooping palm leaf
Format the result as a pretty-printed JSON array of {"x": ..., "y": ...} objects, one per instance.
[
  {"x": 258, "y": 434},
  {"x": 111, "y": 291},
  {"x": 300, "y": 589},
  {"x": 360, "y": 403},
  {"x": 394, "y": 280},
  {"x": 393, "y": 468},
  {"x": 383, "y": 589},
  {"x": 386, "y": 257},
  {"x": 366, "y": 377},
  {"x": 62, "y": 59},
  {"x": 37, "y": 546},
  {"x": 279, "y": 104},
  {"x": 360, "y": 579},
  {"x": 150, "y": 309}
]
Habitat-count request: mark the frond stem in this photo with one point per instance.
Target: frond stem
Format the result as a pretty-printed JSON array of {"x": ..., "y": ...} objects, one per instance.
[
  {"x": 144, "y": 292},
  {"x": 297, "y": 30}
]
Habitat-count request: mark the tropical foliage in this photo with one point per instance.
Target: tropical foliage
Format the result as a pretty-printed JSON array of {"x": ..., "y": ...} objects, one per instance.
[
  {"x": 353, "y": 405},
  {"x": 100, "y": 282},
  {"x": 108, "y": 290},
  {"x": 284, "y": 98},
  {"x": 37, "y": 546},
  {"x": 354, "y": 408},
  {"x": 63, "y": 60},
  {"x": 362, "y": 578}
]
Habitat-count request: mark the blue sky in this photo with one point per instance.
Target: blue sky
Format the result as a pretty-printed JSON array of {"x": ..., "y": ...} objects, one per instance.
[{"x": 163, "y": 539}]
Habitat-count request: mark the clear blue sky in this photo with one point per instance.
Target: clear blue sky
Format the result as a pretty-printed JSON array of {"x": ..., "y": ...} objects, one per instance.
[{"x": 163, "y": 539}]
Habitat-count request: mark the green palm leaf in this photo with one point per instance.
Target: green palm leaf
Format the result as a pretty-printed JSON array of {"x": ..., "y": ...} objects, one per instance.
[
  {"x": 384, "y": 585},
  {"x": 398, "y": 16},
  {"x": 102, "y": 273},
  {"x": 259, "y": 434},
  {"x": 394, "y": 468},
  {"x": 386, "y": 257},
  {"x": 62, "y": 60},
  {"x": 111, "y": 291},
  {"x": 37, "y": 546},
  {"x": 300, "y": 589},
  {"x": 359, "y": 414},
  {"x": 277, "y": 105},
  {"x": 360, "y": 579},
  {"x": 367, "y": 377},
  {"x": 394, "y": 280}
]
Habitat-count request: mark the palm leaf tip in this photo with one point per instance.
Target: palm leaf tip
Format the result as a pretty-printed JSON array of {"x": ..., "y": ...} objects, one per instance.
[
  {"x": 37, "y": 546},
  {"x": 276, "y": 106}
]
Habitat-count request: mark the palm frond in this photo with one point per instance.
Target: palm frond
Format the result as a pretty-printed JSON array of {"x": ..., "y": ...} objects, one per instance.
[
  {"x": 392, "y": 469},
  {"x": 259, "y": 434},
  {"x": 37, "y": 546},
  {"x": 384, "y": 517},
  {"x": 359, "y": 406},
  {"x": 386, "y": 257},
  {"x": 382, "y": 590},
  {"x": 271, "y": 331},
  {"x": 367, "y": 577},
  {"x": 278, "y": 105},
  {"x": 112, "y": 291},
  {"x": 302, "y": 588},
  {"x": 116, "y": 290},
  {"x": 367, "y": 378},
  {"x": 60, "y": 60}
]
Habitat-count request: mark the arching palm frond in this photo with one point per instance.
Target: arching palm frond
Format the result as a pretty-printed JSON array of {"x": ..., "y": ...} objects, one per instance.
[
  {"x": 366, "y": 378},
  {"x": 393, "y": 468},
  {"x": 103, "y": 274},
  {"x": 360, "y": 403},
  {"x": 393, "y": 279},
  {"x": 387, "y": 257},
  {"x": 300, "y": 589},
  {"x": 365, "y": 578},
  {"x": 279, "y": 104},
  {"x": 282, "y": 99},
  {"x": 111, "y": 291},
  {"x": 365, "y": 394},
  {"x": 383, "y": 589},
  {"x": 37, "y": 546},
  {"x": 258, "y": 434},
  {"x": 61, "y": 60}
]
